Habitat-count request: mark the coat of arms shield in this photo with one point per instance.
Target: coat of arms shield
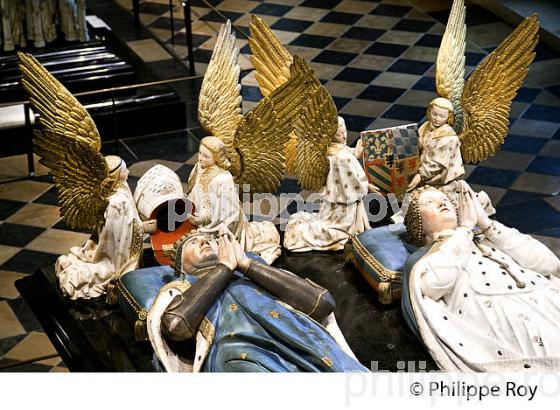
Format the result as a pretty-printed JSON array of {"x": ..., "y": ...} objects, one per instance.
[{"x": 391, "y": 157}]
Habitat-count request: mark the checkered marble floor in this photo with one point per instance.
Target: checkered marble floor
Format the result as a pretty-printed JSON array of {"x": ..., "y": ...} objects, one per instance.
[{"x": 375, "y": 57}]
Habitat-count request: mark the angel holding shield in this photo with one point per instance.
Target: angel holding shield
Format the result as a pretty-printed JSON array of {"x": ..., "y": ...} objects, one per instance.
[
  {"x": 469, "y": 120},
  {"x": 316, "y": 154}
]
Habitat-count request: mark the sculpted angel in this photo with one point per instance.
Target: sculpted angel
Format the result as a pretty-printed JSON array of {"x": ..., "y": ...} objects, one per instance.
[
  {"x": 469, "y": 121},
  {"x": 244, "y": 150},
  {"x": 93, "y": 192},
  {"x": 342, "y": 184},
  {"x": 316, "y": 154}
]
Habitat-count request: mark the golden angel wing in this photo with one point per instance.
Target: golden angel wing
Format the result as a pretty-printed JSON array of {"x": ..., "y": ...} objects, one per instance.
[
  {"x": 291, "y": 145},
  {"x": 490, "y": 90},
  {"x": 450, "y": 63},
  {"x": 269, "y": 57},
  {"x": 60, "y": 112},
  {"x": 259, "y": 158},
  {"x": 315, "y": 128},
  {"x": 81, "y": 177},
  {"x": 219, "y": 103},
  {"x": 69, "y": 146}
]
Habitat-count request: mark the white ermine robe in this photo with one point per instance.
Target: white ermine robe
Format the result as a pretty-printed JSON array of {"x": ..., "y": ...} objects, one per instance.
[
  {"x": 470, "y": 311},
  {"x": 342, "y": 212}
]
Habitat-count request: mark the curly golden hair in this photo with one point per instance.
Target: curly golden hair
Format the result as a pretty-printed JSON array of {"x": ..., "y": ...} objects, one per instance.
[
  {"x": 218, "y": 149},
  {"x": 444, "y": 103}
]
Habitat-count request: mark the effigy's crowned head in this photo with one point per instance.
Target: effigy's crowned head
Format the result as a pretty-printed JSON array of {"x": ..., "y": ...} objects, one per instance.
[
  {"x": 212, "y": 151},
  {"x": 341, "y": 132},
  {"x": 429, "y": 211},
  {"x": 194, "y": 251},
  {"x": 440, "y": 112}
]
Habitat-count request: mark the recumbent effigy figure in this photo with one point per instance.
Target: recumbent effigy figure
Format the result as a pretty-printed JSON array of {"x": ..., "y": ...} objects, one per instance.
[
  {"x": 316, "y": 154},
  {"x": 246, "y": 316},
  {"x": 93, "y": 192},
  {"x": 480, "y": 295},
  {"x": 469, "y": 120}
]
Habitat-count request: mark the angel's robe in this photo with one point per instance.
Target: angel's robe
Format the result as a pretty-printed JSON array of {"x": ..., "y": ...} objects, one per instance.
[
  {"x": 441, "y": 164},
  {"x": 469, "y": 311},
  {"x": 86, "y": 270},
  {"x": 341, "y": 213},
  {"x": 216, "y": 199}
]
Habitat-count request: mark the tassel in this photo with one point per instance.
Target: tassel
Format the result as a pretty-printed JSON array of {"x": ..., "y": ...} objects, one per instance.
[
  {"x": 140, "y": 331},
  {"x": 385, "y": 295},
  {"x": 348, "y": 257},
  {"x": 112, "y": 296}
]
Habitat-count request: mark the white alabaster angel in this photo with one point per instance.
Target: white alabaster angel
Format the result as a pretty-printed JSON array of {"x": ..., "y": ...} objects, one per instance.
[
  {"x": 469, "y": 121},
  {"x": 92, "y": 189},
  {"x": 316, "y": 154},
  {"x": 244, "y": 150},
  {"x": 342, "y": 184}
]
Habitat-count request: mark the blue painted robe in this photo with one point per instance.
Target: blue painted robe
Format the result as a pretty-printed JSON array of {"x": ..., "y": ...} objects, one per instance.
[{"x": 256, "y": 333}]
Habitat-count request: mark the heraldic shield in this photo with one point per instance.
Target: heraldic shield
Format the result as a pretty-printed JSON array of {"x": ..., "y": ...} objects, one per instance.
[{"x": 391, "y": 157}]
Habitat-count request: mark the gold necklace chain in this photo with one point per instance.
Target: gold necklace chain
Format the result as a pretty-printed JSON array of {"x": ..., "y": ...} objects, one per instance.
[{"x": 520, "y": 284}]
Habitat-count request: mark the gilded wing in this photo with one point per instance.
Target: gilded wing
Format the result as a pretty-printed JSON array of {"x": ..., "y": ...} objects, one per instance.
[
  {"x": 259, "y": 158},
  {"x": 490, "y": 90},
  {"x": 269, "y": 57},
  {"x": 291, "y": 145},
  {"x": 60, "y": 112},
  {"x": 450, "y": 63},
  {"x": 81, "y": 177},
  {"x": 315, "y": 128},
  {"x": 219, "y": 103},
  {"x": 69, "y": 146}
]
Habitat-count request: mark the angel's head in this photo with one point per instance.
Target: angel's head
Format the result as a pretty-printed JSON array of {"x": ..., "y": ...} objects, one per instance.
[
  {"x": 341, "y": 133},
  {"x": 430, "y": 211},
  {"x": 440, "y": 112},
  {"x": 117, "y": 168},
  {"x": 212, "y": 151}
]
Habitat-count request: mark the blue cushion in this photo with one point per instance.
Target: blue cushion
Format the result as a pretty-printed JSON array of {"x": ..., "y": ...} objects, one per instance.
[
  {"x": 380, "y": 255},
  {"x": 143, "y": 285}
]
